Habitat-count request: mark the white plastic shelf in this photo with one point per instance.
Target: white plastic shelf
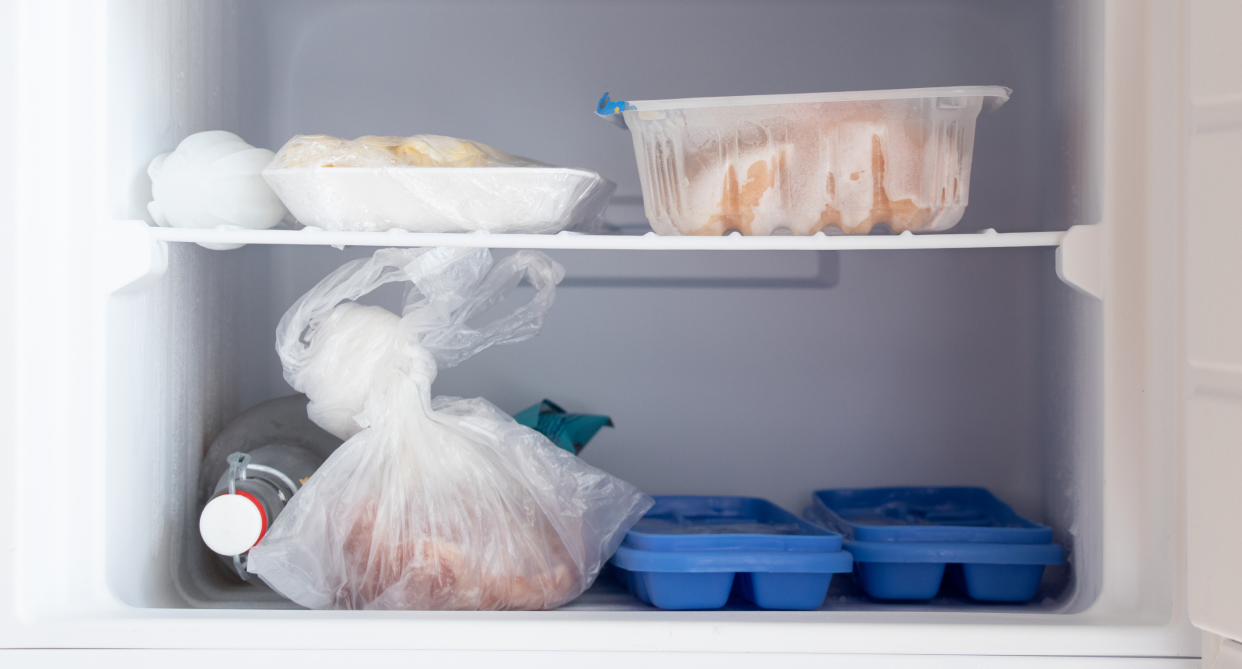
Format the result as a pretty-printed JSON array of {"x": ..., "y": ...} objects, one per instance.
[
  {"x": 648, "y": 242},
  {"x": 140, "y": 252}
]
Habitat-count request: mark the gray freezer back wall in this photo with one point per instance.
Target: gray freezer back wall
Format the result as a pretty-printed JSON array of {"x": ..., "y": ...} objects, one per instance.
[{"x": 916, "y": 367}]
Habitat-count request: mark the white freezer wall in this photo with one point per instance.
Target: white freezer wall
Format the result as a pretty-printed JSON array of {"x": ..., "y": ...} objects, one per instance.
[{"x": 175, "y": 348}]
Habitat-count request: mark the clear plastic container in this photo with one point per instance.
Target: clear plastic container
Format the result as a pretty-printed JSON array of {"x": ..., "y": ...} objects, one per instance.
[{"x": 801, "y": 164}]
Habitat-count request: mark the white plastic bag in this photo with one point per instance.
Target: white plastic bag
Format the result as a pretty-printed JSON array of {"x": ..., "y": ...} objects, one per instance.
[
  {"x": 431, "y": 504},
  {"x": 213, "y": 180}
]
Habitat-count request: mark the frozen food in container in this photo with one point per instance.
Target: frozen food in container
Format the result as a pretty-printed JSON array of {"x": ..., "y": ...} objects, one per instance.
[
  {"x": 801, "y": 164},
  {"x": 430, "y": 183}
]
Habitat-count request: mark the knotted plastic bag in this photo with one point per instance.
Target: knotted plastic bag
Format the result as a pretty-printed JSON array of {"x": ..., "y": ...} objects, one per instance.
[{"x": 438, "y": 503}]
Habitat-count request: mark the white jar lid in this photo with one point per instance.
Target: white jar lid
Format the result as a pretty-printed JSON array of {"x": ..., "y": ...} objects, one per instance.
[{"x": 232, "y": 524}]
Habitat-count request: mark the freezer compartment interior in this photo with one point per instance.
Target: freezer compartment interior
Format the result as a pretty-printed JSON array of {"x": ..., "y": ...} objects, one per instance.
[
  {"x": 766, "y": 374},
  {"x": 977, "y": 367}
]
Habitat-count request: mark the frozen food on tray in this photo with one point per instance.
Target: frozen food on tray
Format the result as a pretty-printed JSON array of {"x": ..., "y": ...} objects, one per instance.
[
  {"x": 430, "y": 183},
  {"x": 799, "y": 164}
]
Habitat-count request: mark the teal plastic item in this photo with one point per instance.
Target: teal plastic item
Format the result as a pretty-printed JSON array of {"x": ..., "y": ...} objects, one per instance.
[{"x": 570, "y": 431}]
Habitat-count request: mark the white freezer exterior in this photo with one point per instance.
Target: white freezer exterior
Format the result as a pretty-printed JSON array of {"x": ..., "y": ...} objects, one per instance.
[
  {"x": 65, "y": 582},
  {"x": 1213, "y": 276}
]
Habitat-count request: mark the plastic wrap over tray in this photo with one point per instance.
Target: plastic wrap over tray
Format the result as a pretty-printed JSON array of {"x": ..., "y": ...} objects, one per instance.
[{"x": 444, "y": 185}]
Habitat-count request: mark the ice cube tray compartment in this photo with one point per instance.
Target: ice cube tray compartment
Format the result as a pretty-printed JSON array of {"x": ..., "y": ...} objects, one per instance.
[
  {"x": 691, "y": 552},
  {"x": 905, "y": 540}
]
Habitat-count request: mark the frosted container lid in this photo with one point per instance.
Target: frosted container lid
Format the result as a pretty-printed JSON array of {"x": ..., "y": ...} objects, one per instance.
[
  {"x": 919, "y": 514},
  {"x": 716, "y": 523},
  {"x": 611, "y": 111}
]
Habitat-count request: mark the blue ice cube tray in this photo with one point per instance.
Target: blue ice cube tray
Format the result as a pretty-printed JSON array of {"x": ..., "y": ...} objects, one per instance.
[
  {"x": 904, "y": 541},
  {"x": 691, "y": 552}
]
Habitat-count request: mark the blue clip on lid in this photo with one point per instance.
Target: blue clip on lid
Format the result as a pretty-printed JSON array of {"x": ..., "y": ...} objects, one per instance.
[{"x": 611, "y": 111}]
